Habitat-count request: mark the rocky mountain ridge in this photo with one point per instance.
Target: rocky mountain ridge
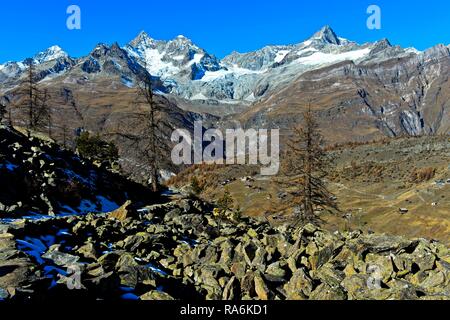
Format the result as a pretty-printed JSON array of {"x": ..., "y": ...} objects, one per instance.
[
  {"x": 368, "y": 90},
  {"x": 396, "y": 96},
  {"x": 189, "y": 72}
]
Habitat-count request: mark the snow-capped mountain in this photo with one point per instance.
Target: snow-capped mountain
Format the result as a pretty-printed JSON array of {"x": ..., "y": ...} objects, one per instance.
[
  {"x": 274, "y": 56},
  {"x": 48, "y": 63},
  {"x": 189, "y": 72},
  {"x": 179, "y": 57},
  {"x": 366, "y": 89},
  {"x": 52, "y": 53},
  {"x": 246, "y": 77}
]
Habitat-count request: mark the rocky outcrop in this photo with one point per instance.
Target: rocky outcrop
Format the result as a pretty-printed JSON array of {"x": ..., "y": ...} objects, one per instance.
[{"x": 178, "y": 250}]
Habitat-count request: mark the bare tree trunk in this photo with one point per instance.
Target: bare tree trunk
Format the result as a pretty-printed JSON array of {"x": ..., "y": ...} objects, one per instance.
[
  {"x": 154, "y": 167},
  {"x": 31, "y": 98},
  {"x": 148, "y": 136},
  {"x": 50, "y": 123},
  {"x": 37, "y": 109},
  {"x": 10, "y": 120},
  {"x": 309, "y": 210},
  {"x": 64, "y": 132}
]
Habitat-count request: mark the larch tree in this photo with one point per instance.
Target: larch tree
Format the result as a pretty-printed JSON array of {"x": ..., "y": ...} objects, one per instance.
[
  {"x": 304, "y": 171},
  {"x": 35, "y": 103},
  {"x": 149, "y": 135},
  {"x": 64, "y": 131},
  {"x": 145, "y": 94}
]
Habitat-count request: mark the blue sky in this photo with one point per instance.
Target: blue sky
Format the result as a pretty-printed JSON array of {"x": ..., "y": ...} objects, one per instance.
[{"x": 218, "y": 26}]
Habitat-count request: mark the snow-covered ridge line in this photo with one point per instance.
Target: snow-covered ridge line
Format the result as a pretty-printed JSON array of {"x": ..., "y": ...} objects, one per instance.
[{"x": 188, "y": 71}]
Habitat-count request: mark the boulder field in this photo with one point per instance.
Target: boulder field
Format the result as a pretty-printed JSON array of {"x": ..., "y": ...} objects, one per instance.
[{"x": 179, "y": 250}]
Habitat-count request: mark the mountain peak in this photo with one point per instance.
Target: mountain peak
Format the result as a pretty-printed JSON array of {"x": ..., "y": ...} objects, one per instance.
[
  {"x": 385, "y": 42},
  {"x": 327, "y": 35},
  {"x": 143, "y": 34},
  {"x": 181, "y": 38},
  {"x": 55, "y": 48},
  {"x": 52, "y": 53},
  {"x": 142, "y": 38}
]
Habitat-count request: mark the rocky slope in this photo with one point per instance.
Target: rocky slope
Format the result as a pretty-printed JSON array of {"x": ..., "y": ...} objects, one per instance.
[
  {"x": 180, "y": 251},
  {"x": 61, "y": 237},
  {"x": 40, "y": 178}
]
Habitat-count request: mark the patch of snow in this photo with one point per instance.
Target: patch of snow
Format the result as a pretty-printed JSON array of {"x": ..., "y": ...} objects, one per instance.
[
  {"x": 33, "y": 216},
  {"x": 107, "y": 205},
  {"x": 199, "y": 96},
  {"x": 52, "y": 53},
  {"x": 344, "y": 41},
  {"x": 230, "y": 101},
  {"x": 117, "y": 65},
  {"x": 156, "y": 66},
  {"x": 33, "y": 247},
  {"x": 127, "y": 82},
  {"x": 281, "y": 55},
  {"x": 306, "y": 50},
  {"x": 233, "y": 70},
  {"x": 72, "y": 175},
  {"x": 9, "y": 166},
  {"x": 250, "y": 97},
  {"x": 154, "y": 63},
  {"x": 101, "y": 205},
  {"x": 130, "y": 297},
  {"x": 86, "y": 206},
  {"x": 413, "y": 50},
  {"x": 320, "y": 58},
  {"x": 52, "y": 76},
  {"x": 63, "y": 232},
  {"x": 22, "y": 65},
  {"x": 165, "y": 175},
  {"x": 197, "y": 58},
  {"x": 69, "y": 211},
  {"x": 190, "y": 242},
  {"x": 170, "y": 82},
  {"x": 155, "y": 269}
]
